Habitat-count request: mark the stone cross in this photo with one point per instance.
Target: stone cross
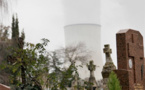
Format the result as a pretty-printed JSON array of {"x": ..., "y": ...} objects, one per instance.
[
  {"x": 107, "y": 52},
  {"x": 91, "y": 68},
  {"x": 92, "y": 80},
  {"x": 108, "y": 67}
]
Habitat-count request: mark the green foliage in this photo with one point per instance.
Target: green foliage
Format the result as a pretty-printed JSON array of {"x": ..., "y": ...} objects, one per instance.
[
  {"x": 15, "y": 27},
  {"x": 35, "y": 63},
  {"x": 4, "y": 44},
  {"x": 23, "y": 34},
  {"x": 87, "y": 85},
  {"x": 32, "y": 67},
  {"x": 67, "y": 76},
  {"x": 113, "y": 82},
  {"x": 62, "y": 79}
]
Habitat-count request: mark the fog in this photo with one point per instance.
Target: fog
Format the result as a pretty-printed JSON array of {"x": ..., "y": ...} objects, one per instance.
[
  {"x": 121, "y": 14},
  {"x": 47, "y": 18},
  {"x": 81, "y": 11}
]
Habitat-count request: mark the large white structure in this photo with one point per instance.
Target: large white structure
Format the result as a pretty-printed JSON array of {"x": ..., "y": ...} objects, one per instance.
[
  {"x": 90, "y": 35},
  {"x": 83, "y": 25}
]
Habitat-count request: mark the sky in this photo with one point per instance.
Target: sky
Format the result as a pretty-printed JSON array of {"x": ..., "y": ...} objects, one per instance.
[
  {"x": 42, "y": 19},
  {"x": 121, "y": 14},
  {"x": 47, "y": 18}
]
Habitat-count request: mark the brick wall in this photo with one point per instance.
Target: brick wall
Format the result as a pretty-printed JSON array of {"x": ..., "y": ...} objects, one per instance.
[{"x": 4, "y": 87}]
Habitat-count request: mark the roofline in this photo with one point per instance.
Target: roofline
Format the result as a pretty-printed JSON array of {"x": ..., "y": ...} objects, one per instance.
[{"x": 126, "y": 30}]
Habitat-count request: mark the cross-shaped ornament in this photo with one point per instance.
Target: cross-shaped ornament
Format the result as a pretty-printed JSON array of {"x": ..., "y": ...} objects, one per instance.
[
  {"x": 108, "y": 52},
  {"x": 136, "y": 52}
]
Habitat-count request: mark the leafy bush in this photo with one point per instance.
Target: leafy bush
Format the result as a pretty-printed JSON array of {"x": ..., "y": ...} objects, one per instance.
[{"x": 113, "y": 82}]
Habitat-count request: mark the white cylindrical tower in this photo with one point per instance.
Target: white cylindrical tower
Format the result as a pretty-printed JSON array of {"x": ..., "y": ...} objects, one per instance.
[{"x": 83, "y": 25}]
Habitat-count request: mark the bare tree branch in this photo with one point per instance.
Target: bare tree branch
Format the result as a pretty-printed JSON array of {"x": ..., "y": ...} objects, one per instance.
[{"x": 74, "y": 53}]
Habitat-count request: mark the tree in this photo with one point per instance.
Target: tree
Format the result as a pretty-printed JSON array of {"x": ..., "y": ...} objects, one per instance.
[
  {"x": 113, "y": 82},
  {"x": 5, "y": 42},
  {"x": 60, "y": 76},
  {"x": 61, "y": 80},
  {"x": 15, "y": 27},
  {"x": 74, "y": 53},
  {"x": 29, "y": 66},
  {"x": 15, "y": 32}
]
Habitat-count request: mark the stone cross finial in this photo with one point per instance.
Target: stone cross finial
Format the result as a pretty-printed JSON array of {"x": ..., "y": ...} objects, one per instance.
[
  {"x": 91, "y": 68},
  {"x": 108, "y": 52}
]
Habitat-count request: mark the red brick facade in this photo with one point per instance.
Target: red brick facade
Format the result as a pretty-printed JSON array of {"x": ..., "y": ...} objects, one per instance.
[
  {"x": 130, "y": 59},
  {"x": 3, "y": 87}
]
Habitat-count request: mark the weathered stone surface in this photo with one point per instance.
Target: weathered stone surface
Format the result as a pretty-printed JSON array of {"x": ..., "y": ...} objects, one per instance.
[
  {"x": 107, "y": 69},
  {"x": 92, "y": 80},
  {"x": 109, "y": 65},
  {"x": 130, "y": 59},
  {"x": 107, "y": 52}
]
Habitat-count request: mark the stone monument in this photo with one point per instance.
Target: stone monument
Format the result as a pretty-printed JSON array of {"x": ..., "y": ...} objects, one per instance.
[
  {"x": 92, "y": 80},
  {"x": 109, "y": 65},
  {"x": 107, "y": 52},
  {"x": 130, "y": 59}
]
